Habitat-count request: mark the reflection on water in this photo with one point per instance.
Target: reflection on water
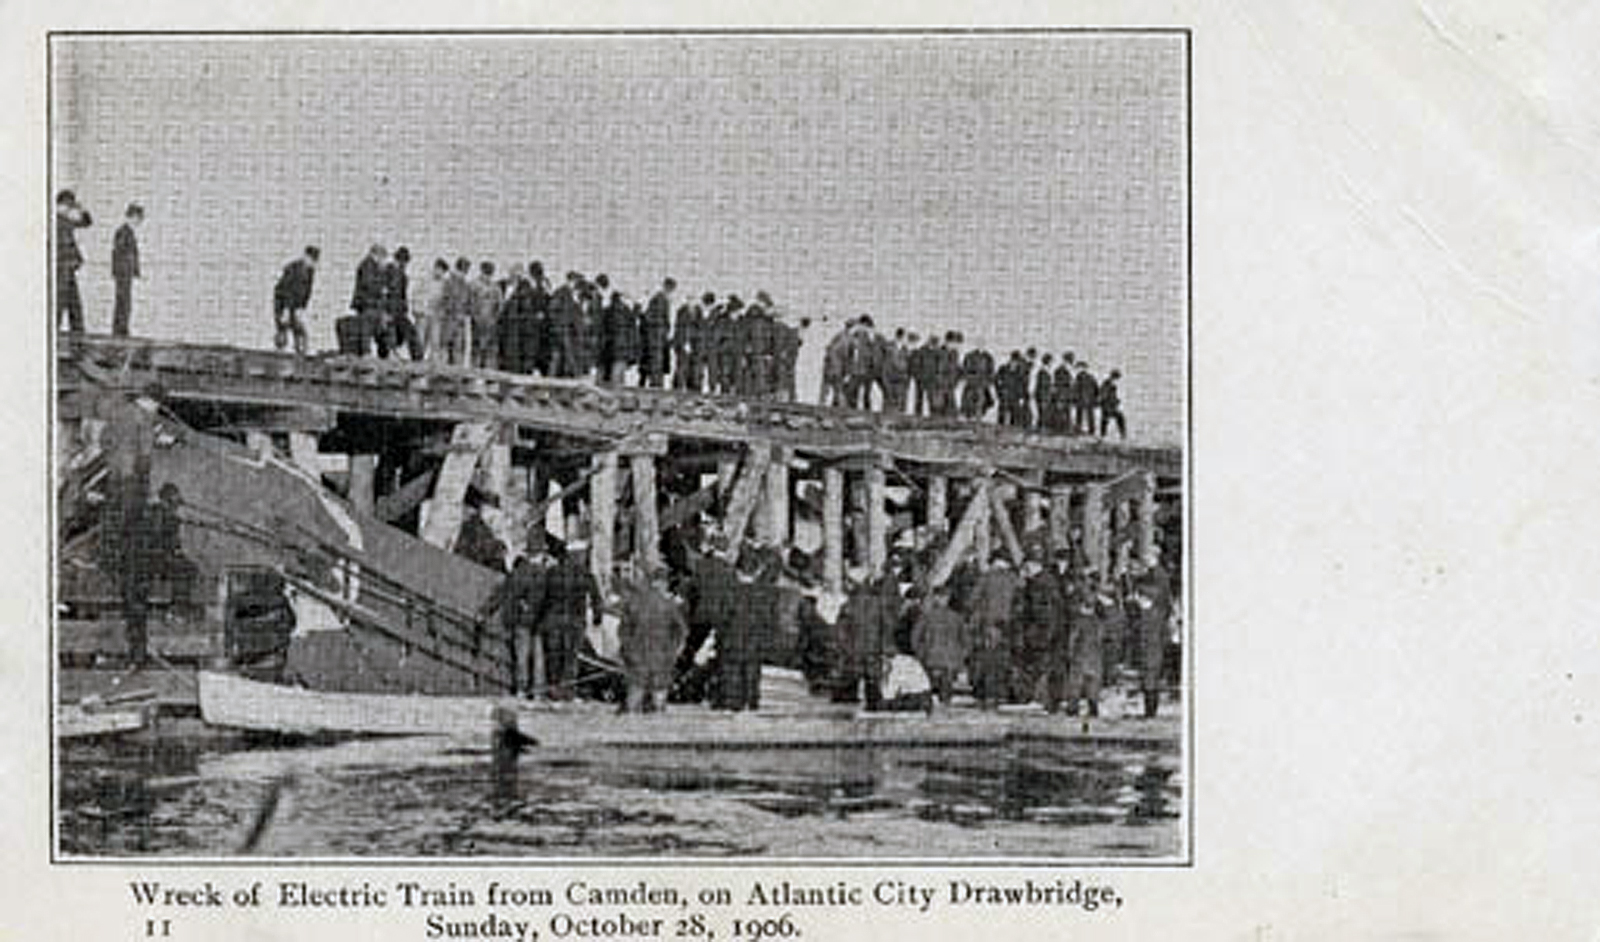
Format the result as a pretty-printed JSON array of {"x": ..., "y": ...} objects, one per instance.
[{"x": 406, "y": 798}]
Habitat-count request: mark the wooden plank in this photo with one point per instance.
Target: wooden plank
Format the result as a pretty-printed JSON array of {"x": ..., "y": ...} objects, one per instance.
[
  {"x": 686, "y": 508},
  {"x": 961, "y": 541},
  {"x": 1144, "y": 537},
  {"x": 939, "y": 503},
  {"x": 1001, "y": 515},
  {"x": 742, "y": 503},
  {"x": 443, "y": 522},
  {"x": 396, "y": 504}
]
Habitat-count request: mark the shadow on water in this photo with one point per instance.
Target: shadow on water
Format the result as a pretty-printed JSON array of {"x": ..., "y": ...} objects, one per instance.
[{"x": 616, "y": 802}]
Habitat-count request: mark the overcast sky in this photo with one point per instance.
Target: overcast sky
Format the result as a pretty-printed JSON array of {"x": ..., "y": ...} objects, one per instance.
[{"x": 1028, "y": 190}]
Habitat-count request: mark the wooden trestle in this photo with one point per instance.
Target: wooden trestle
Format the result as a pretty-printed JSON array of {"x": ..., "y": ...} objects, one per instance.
[{"x": 625, "y": 464}]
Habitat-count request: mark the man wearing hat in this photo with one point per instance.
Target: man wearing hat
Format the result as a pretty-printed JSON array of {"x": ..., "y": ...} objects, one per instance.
[
  {"x": 1065, "y": 395},
  {"x": 486, "y": 303},
  {"x": 1090, "y": 613},
  {"x": 1039, "y": 631},
  {"x": 1152, "y": 605},
  {"x": 977, "y": 383},
  {"x": 125, "y": 268},
  {"x": 70, "y": 217},
  {"x": 650, "y": 631},
  {"x": 1044, "y": 396},
  {"x": 787, "y": 342},
  {"x": 896, "y": 373}
]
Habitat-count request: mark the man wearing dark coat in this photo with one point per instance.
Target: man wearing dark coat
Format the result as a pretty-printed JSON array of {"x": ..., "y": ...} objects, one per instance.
[
  {"x": 1152, "y": 601},
  {"x": 124, "y": 269},
  {"x": 977, "y": 383},
  {"x": 521, "y": 601},
  {"x": 619, "y": 340},
  {"x": 1044, "y": 396},
  {"x": 519, "y": 329},
  {"x": 290, "y": 296},
  {"x": 687, "y": 343},
  {"x": 896, "y": 374},
  {"x": 1066, "y": 396},
  {"x": 565, "y": 313},
  {"x": 1087, "y": 394},
  {"x": 1039, "y": 635},
  {"x": 865, "y": 635},
  {"x": 399, "y": 331},
  {"x": 655, "y": 336},
  {"x": 367, "y": 301},
  {"x": 650, "y": 633},
  {"x": 69, "y": 218},
  {"x": 1111, "y": 406},
  {"x": 570, "y": 590}
]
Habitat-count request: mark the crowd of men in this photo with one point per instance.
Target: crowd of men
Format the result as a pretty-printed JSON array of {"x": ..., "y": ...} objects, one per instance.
[
  {"x": 469, "y": 315},
  {"x": 863, "y": 369},
  {"x": 520, "y": 322},
  {"x": 1054, "y": 632}
]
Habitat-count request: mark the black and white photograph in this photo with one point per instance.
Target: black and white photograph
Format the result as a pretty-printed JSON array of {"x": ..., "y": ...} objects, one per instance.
[{"x": 646, "y": 445}]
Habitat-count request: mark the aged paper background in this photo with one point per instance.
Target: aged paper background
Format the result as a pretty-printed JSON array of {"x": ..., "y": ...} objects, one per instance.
[{"x": 1397, "y": 254}]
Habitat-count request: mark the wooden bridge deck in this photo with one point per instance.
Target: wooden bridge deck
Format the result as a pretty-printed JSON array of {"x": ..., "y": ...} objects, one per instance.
[{"x": 322, "y": 387}]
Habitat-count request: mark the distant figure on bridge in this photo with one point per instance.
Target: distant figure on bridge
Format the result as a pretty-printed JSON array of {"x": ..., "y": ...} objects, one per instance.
[
  {"x": 977, "y": 383},
  {"x": 655, "y": 335},
  {"x": 789, "y": 340},
  {"x": 1044, "y": 395},
  {"x": 70, "y": 217},
  {"x": 455, "y": 314},
  {"x": 688, "y": 341},
  {"x": 367, "y": 304},
  {"x": 125, "y": 268},
  {"x": 520, "y": 327},
  {"x": 290, "y": 297},
  {"x": 399, "y": 331},
  {"x": 486, "y": 303},
  {"x": 619, "y": 340},
  {"x": 895, "y": 370},
  {"x": 1087, "y": 393},
  {"x": 1065, "y": 394},
  {"x": 1111, "y": 406}
]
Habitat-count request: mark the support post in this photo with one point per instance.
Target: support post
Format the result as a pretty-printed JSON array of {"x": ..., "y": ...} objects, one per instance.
[
  {"x": 363, "y": 482},
  {"x": 603, "y": 518},
  {"x": 877, "y": 518},
  {"x": 443, "y": 518},
  {"x": 1096, "y": 529},
  {"x": 963, "y": 539},
  {"x": 746, "y": 493},
  {"x": 260, "y": 443},
  {"x": 1061, "y": 516},
  {"x": 303, "y": 452},
  {"x": 1033, "y": 502},
  {"x": 939, "y": 503},
  {"x": 982, "y": 534},
  {"x": 833, "y": 529},
  {"x": 494, "y": 475},
  {"x": 727, "y": 469},
  {"x": 646, "y": 528},
  {"x": 774, "y": 520},
  {"x": 1145, "y": 534},
  {"x": 998, "y": 504}
]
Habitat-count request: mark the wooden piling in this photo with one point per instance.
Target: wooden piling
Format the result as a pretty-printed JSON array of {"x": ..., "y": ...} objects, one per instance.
[
  {"x": 773, "y": 525},
  {"x": 833, "y": 528},
  {"x": 603, "y": 518},
  {"x": 1096, "y": 529},
  {"x": 1145, "y": 532},
  {"x": 982, "y": 533},
  {"x": 1061, "y": 516},
  {"x": 646, "y": 531},
  {"x": 877, "y": 513},
  {"x": 939, "y": 503}
]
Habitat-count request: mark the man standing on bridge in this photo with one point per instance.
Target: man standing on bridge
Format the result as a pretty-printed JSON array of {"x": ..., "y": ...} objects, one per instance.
[
  {"x": 124, "y": 269},
  {"x": 367, "y": 300},
  {"x": 69, "y": 218},
  {"x": 654, "y": 334},
  {"x": 290, "y": 296}
]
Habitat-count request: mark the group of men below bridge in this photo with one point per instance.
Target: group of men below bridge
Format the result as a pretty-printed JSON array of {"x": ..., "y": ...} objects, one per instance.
[
  {"x": 1054, "y": 633},
  {"x": 470, "y": 315}
]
